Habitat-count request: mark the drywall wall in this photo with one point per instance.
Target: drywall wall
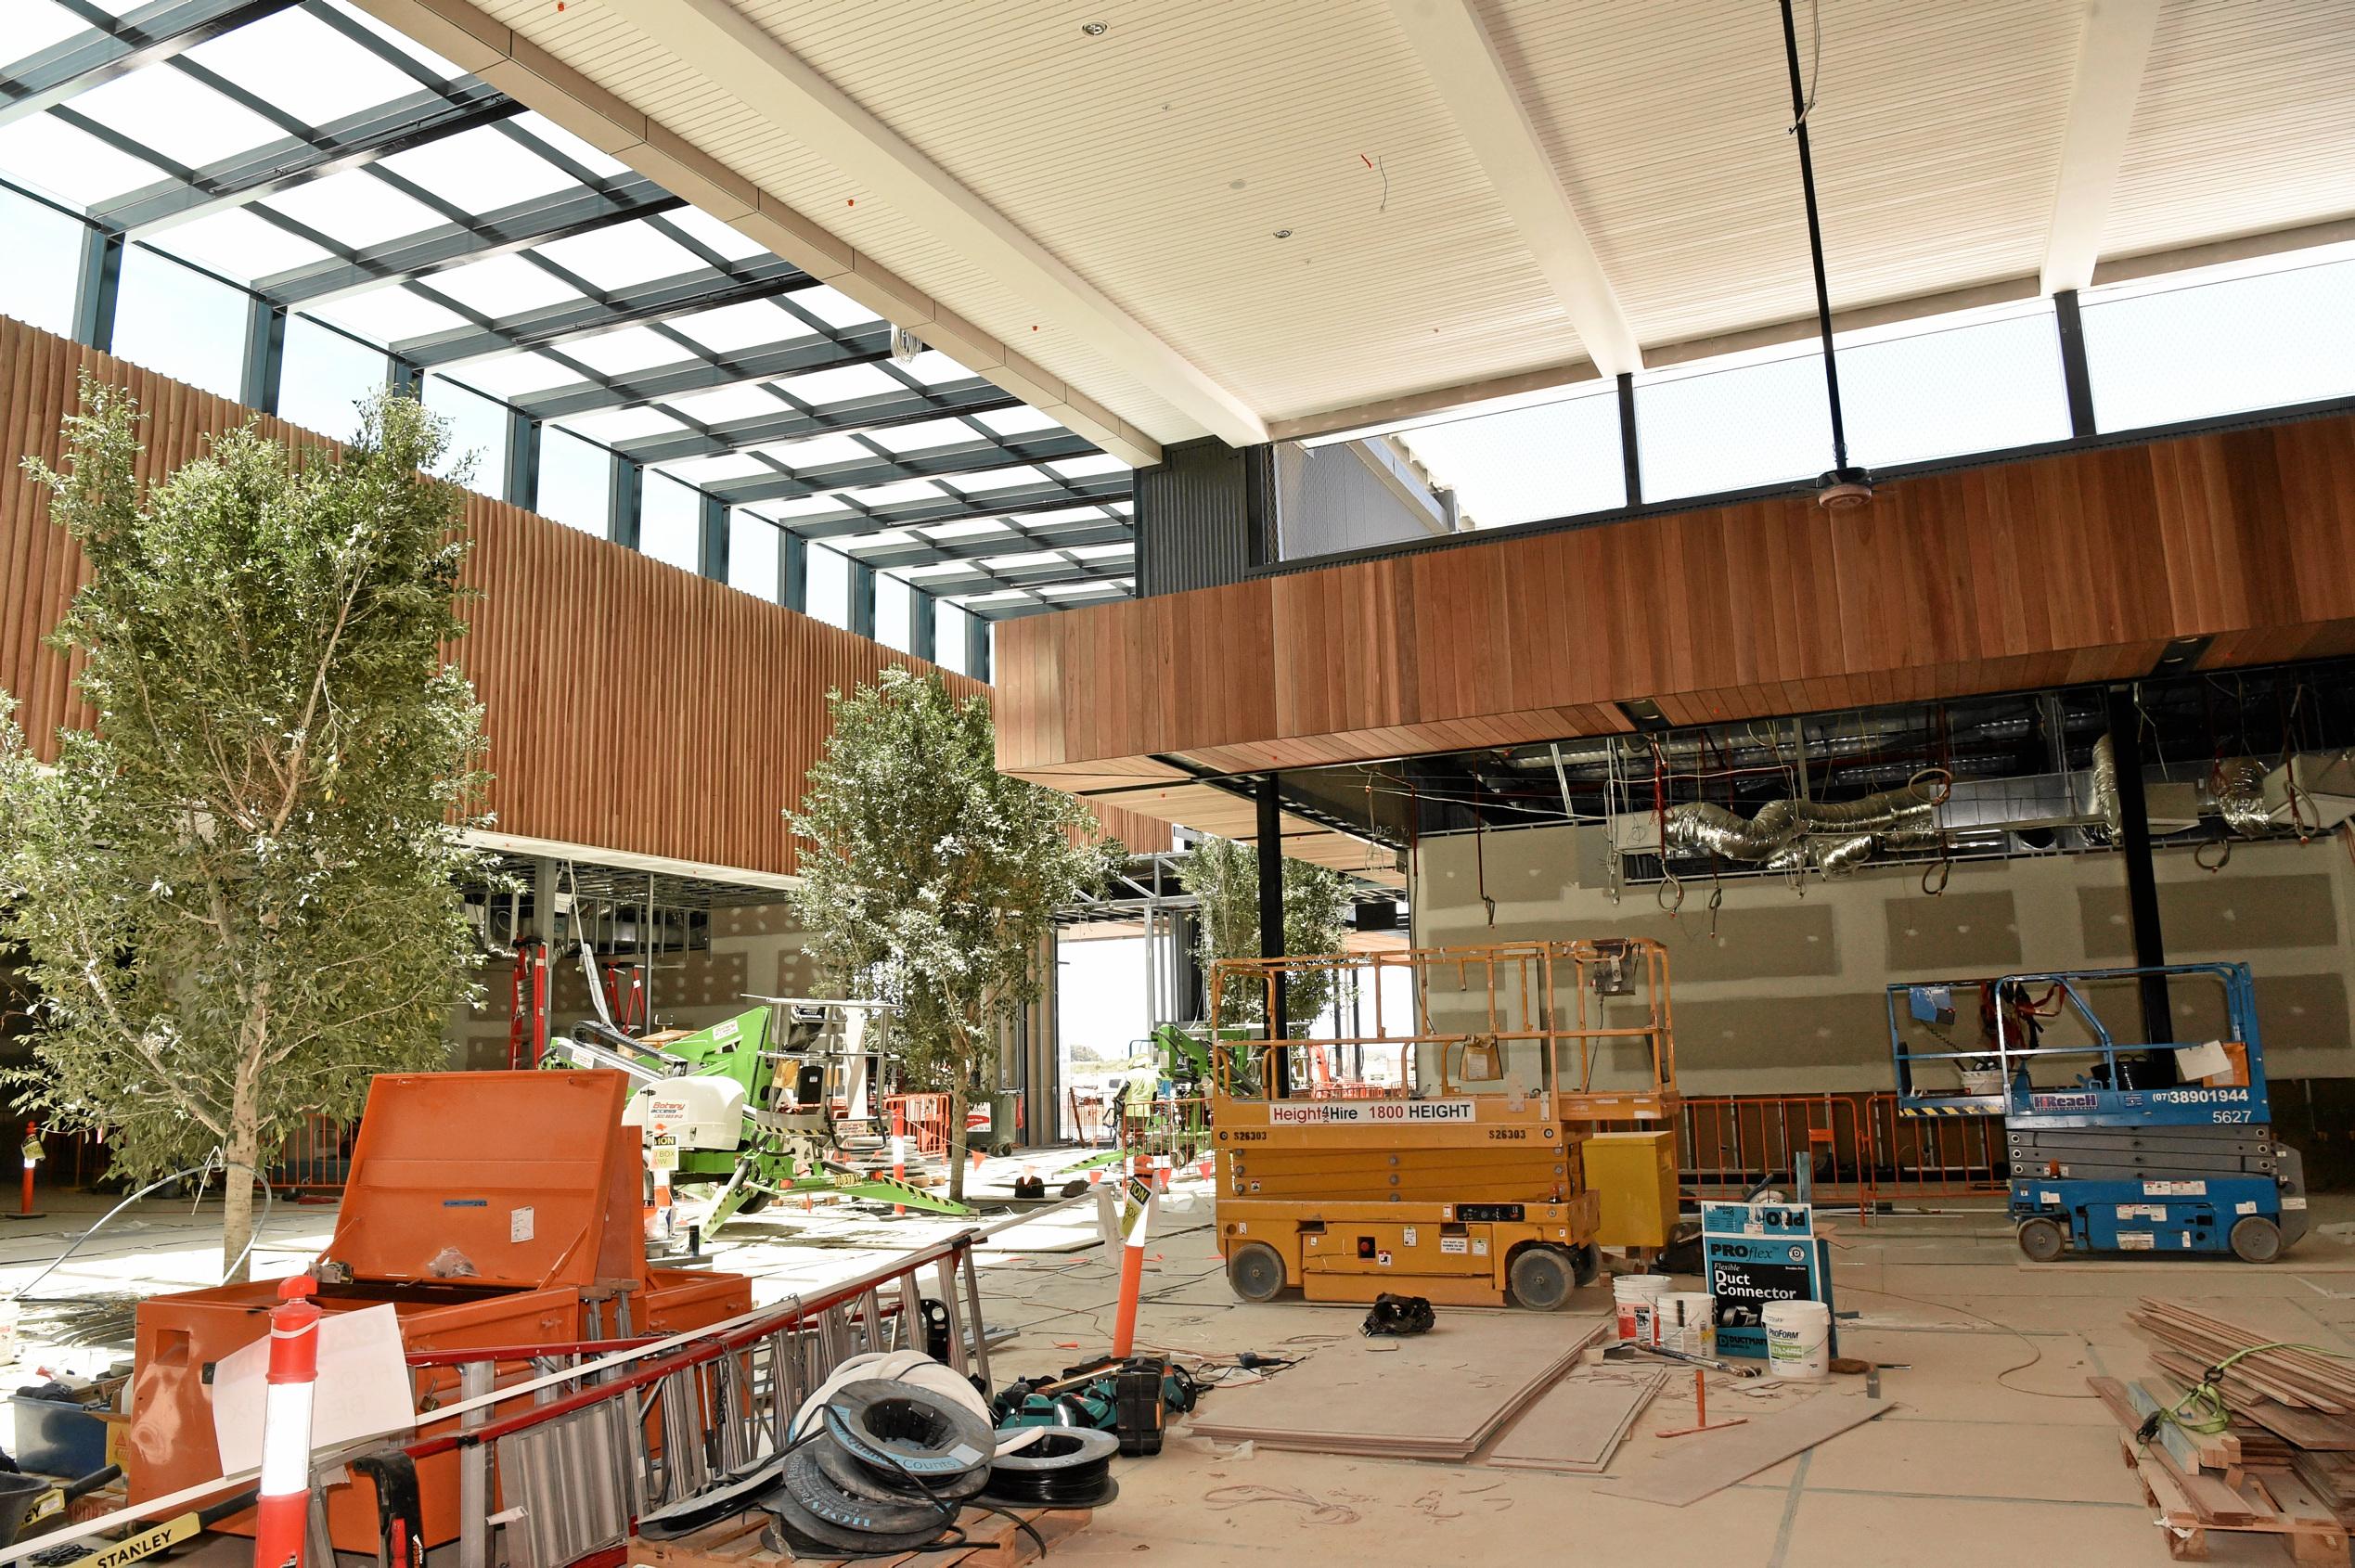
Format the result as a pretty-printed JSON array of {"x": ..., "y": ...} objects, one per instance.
[{"x": 1782, "y": 994}]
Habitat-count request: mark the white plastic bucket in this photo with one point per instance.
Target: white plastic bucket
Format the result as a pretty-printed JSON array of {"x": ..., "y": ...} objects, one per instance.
[
  {"x": 1798, "y": 1336},
  {"x": 1689, "y": 1323},
  {"x": 1637, "y": 1296}
]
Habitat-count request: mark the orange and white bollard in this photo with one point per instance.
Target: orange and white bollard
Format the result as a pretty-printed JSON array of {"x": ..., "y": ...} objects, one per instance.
[
  {"x": 1096, "y": 1175},
  {"x": 1160, "y": 1172},
  {"x": 661, "y": 1156},
  {"x": 33, "y": 1154},
  {"x": 283, "y": 1515},
  {"x": 899, "y": 1165},
  {"x": 1132, "y": 1272}
]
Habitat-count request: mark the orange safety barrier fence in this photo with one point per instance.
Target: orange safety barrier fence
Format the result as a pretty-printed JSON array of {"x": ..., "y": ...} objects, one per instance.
[
  {"x": 1855, "y": 1148},
  {"x": 927, "y": 1119}
]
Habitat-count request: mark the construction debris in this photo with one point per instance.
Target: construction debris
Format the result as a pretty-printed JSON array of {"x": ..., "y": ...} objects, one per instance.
[
  {"x": 2254, "y": 1436},
  {"x": 1694, "y": 1473}
]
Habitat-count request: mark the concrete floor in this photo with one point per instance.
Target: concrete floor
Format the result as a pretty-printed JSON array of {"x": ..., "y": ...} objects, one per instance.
[{"x": 1997, "y": 1455}]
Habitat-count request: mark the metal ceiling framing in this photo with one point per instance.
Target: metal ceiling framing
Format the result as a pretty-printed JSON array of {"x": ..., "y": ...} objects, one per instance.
[{"x": 162, "y": 34}]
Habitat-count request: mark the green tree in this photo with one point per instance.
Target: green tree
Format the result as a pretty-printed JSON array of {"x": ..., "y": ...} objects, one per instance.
[
  {"x": 934, "y": 876},
  {"x": 1224, "y": 877},
  {"x": 236, "y": 896}
]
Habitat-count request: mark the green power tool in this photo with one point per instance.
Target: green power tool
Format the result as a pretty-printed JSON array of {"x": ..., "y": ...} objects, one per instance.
[{"x": 1128, "y": 1399}]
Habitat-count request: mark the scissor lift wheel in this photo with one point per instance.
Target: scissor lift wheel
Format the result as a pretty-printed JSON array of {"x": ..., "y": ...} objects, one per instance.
[
  {"x": 2257, "y": 1240},
  {"x": 2042, "y": 1240},
  {"x": 1541, "y": 1277},
  {"x": 1256, "y": 1271}
]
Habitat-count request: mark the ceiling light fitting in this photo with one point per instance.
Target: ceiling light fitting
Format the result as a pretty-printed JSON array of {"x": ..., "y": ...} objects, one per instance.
[{"x": 1095, "y": 29}]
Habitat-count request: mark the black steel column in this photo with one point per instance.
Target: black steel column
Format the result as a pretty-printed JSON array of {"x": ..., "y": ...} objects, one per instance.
[
  {"x": 2142, "y": 880},
  {"x": 976, "y": 647},
  {"x": 921, "y": 624},
  {"x": 520, "y": 485},
  {"x": 264, "y": 369},
  {"x": 1271, "y": 922},
  {"x": 96, "y": 287},
  {"x": 711, "y": 541},
  {"x": 1631, "y": 454},
  {"x": 859, "y": 584},
  {"x": 2077, "y": 380},
  {"x": 624, "y": 501},
  {"x": 793, "y": 571}
]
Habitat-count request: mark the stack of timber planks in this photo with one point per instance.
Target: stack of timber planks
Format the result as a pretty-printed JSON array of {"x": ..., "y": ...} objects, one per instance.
[{"x": 2283, "y": 1466}]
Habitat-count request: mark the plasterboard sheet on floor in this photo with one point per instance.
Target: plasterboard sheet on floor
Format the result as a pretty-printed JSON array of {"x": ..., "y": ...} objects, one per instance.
[
  {"x": 1576, "y": 1425},
  {"x": 1437, "y": 1395},
  {"x": 1717, "y": 1460}
]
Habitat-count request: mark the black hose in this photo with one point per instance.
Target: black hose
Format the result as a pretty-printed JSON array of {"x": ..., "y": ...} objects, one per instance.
[{"x": 1080, "y": 1486}]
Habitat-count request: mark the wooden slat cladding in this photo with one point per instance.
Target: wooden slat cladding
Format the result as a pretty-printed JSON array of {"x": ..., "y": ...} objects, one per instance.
[
  {"x": 2077, "y": 567},
  {"x": 632, "y": 706}
]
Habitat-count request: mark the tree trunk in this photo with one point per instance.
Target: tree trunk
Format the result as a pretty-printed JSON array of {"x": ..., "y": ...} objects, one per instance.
[
  {"x": 958, "y": 1159},
  {"x": 243, "y": 1152}
]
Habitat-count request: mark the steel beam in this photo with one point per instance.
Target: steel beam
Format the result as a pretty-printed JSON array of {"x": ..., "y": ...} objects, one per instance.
[
  {"x": 1057, "y": 536},
  {"x": 1041, "y": 607},
  {"x": 863, "y": 345},
  {"x": 639, "y": 304},
  {"x": 912, "y": 407},
  {"x": 355, "y": 143},
  {"x": 1058, "y": 575},
  {"x": 558, "y": 216},
  {"x": 1020, "y": 501},
  {"x": 966, "y": 457},
  {"x": 140, "y": 37}
]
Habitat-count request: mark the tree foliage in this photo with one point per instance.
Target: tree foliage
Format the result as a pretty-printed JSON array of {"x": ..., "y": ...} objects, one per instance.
[
  {"x": 236, "y": 896},
  {"x": 933, "y": 877},
  {"x": 1224, "y": 877}
]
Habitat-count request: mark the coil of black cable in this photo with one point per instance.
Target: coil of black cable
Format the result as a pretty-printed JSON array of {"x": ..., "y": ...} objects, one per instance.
[
  {"x": 1070, "y": 1467},
  {"x": 863, "y": 1480},
  {"x": 902, "y": 1429}
]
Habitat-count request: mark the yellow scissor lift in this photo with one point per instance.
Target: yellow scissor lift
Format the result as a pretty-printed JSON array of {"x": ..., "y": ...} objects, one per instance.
[{"x": 1460, "y": 1180}]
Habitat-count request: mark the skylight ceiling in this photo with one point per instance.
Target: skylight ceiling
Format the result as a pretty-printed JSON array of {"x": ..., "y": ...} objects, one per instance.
[{"x": 306, "y": 152}]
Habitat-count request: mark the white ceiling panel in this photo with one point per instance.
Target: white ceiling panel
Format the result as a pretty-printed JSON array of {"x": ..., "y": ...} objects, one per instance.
[
  {"x": 2246, "y": 124},
  {"x": 1160, "y": 160}
]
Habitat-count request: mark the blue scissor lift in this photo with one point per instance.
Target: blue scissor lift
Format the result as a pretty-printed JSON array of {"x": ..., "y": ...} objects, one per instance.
[{"x": 2102, "y": 1159}]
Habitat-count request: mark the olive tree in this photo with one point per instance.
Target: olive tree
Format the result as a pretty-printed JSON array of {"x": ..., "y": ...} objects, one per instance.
[
  {"x": 236, "y": 896},
  {"x": 932, "y": 879},
  {"x": 1224, "y": 877}
]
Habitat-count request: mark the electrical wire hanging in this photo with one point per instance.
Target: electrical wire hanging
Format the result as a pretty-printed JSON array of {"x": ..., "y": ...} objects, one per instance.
[{"x": 212, "y": 1162}]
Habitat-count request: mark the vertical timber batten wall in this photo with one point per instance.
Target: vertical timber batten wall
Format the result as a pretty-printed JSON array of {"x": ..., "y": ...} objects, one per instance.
[{"x": 631, "y": 706}]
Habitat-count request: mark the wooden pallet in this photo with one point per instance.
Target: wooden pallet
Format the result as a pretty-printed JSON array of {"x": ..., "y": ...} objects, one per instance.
[
  {"x": 2279, "y": 1506},
  {"x": 993, "y": 1540}
]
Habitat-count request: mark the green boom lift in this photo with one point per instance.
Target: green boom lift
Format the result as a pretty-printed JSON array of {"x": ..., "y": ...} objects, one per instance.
[{"x": 758, "y": 1118}]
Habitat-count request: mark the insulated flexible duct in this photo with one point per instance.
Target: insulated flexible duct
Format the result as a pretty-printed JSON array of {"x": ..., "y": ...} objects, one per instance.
[
  {"x": 2103, "y": 803},
  {"x": 2237, "y": 786},
  {"x": 1789, "y": 835}
]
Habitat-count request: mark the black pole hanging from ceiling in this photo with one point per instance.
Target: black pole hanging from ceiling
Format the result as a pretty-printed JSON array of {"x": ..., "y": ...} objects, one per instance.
[{"x": 1838, "y": 482}]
